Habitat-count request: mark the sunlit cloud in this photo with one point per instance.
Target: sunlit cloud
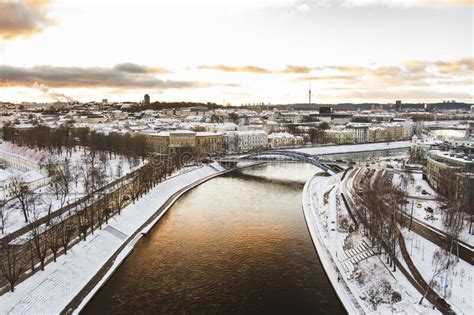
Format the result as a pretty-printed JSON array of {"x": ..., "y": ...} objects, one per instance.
[
  {"x": 417, "y": 94},
  {"x": 307, "y": 4},
  {"x": 410, "y": 71},
  {"x": 136, "y": 68},
  {"x": 223, "y": 68},
  {"x": 415, "y": 80},
  {"x": 453, "y": 67},
  {"x": 415, "y": 65},
  {"x": 22, "y": 18},
  {"x": 296, "y": 69},
  {"x": 336, "y": 77},
  {"x": 256, "y": 69},
  {"x": 120, "y": 76}
]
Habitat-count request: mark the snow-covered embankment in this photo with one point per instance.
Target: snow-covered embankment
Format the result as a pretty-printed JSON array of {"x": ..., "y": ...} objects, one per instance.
[
  {"x": 52, "y": 290},
  {"x": 314, "y": 226}
]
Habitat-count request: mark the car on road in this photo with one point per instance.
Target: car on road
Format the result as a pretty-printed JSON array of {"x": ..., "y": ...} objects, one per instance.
[{"x": 429, "y": 209}]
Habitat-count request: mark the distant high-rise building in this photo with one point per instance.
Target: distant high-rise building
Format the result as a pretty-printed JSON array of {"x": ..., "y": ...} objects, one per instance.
[
  {"x": 146, "y": 99},
  {"x": 326, "y": 110},
  {"x": 105, "y": 101},
  {"x": 398, "y": 106}
]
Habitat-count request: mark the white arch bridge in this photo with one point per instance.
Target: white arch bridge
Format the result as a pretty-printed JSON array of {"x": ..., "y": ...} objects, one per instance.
[{"x": 330, "y": 168}]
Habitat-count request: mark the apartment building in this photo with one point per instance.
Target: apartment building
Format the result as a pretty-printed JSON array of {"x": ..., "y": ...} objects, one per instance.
[
  {"x": 284, "y": 139},
  {"x": 244, "y": 141},
  {"x": 438, "y": 162}
]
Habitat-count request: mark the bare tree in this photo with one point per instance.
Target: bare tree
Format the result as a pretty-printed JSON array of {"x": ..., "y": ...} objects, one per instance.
[
  {"x": 53, "y": 237},
  {"x": 61, "y": 184},
  {"x": 120, "y": 197},
  {"x": 76, "y": 174},
  {"x": 442, "y": 261},
  {"x": 119, "y": 169},
  {"x": 81, "y": 216},
  {"x": 50, "y": 163},
  {"x": 38, "y": 236},
  {"x": 66, "y": 231},
  {"x": 20, "y": 192},
  {"x": 4, "y": 215},
  {"x": 12, "y": 262}
]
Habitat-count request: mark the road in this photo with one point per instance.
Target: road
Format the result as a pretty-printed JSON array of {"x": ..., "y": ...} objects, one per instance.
[
  {"x": 464, "y": 253},
  {"x": 436, "y": 237},
  {"x": 413, "y": 275}
]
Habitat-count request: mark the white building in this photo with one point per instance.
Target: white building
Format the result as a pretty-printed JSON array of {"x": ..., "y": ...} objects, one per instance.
[
  {"x": 340, "y": 136},
  {"x": 284, "y": 139},
  {"x": 244, "y": 141},
  {"x": 361, "y": 131},
  {"x": 21, "y": 158},
  {"x": 20, "y": 164}
]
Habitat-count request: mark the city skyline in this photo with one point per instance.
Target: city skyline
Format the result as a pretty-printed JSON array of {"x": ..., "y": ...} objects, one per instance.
[{"x": 245, "y": 52}]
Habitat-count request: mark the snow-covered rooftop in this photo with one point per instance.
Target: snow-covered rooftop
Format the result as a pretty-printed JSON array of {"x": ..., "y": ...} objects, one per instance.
[{"x": 32, "y": 155}]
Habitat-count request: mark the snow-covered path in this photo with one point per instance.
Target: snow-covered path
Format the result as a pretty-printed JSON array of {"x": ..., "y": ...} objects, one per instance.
[
  {"x": 355, "y": 271},
  {"x": 50, "y": 291},
  {"x": 351, "y": 148},
  {"x": 316, "y": 230}
]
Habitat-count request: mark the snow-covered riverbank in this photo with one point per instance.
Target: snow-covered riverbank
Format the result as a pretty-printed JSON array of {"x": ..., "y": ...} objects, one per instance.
[
  {"x": 360, "y": 278},
  {"x": 351, "y": 148},
  {"x": 314, "y": 226},
  {"x": 50, "y": 291}
]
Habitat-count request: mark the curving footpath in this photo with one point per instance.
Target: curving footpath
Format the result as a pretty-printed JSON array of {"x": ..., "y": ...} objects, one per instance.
[{"x": 348, "y": 300}]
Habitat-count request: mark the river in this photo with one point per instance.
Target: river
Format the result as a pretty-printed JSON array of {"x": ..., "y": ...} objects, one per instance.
[{"x": 235, "y": 244}]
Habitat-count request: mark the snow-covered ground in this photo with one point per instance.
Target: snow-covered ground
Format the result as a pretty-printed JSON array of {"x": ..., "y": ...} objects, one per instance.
[
  {"x": 49, "y": 291},
  {"x": 421, "y": 202},
  {"x": 362, "y": 281},
  {"x": 114, "y": 168},
  {"x": 334, "y": 149},
  {"x": 455, "y": 284}
]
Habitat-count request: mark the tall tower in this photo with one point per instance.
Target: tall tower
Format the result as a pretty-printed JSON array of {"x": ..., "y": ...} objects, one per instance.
[
  {"x": 309, "y": 94},
  {"x": 146, "y": 99}
]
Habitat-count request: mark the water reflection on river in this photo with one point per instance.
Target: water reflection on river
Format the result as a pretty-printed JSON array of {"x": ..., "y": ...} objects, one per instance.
[{"x": 236, "y": 244}]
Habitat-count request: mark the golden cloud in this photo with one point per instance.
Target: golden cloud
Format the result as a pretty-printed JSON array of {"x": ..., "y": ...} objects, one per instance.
[
  {"x": 224, "y": 68},
  {"x": 136, "y": 68},
  {"x": 23, "y": 18},
  {"x": 456, "y": 67},
  {"x": 258, "y": 70},
  {"x": 415, "y": 65},
  {"x": 128, "y": 76},
  {"x": 413, "y": 73},
  {"x": 296, "y": 69}
]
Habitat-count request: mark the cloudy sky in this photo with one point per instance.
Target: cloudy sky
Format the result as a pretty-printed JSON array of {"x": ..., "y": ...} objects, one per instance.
[{"x": 243, "y": 51}]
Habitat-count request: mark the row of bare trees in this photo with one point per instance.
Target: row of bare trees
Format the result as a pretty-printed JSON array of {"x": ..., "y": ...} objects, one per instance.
[
  {"x": 45, "y": 242},
  {"x": 381, "y": 208},
  {"x": 66, "y": 139},
  {"x": 383, "y": 211}
]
